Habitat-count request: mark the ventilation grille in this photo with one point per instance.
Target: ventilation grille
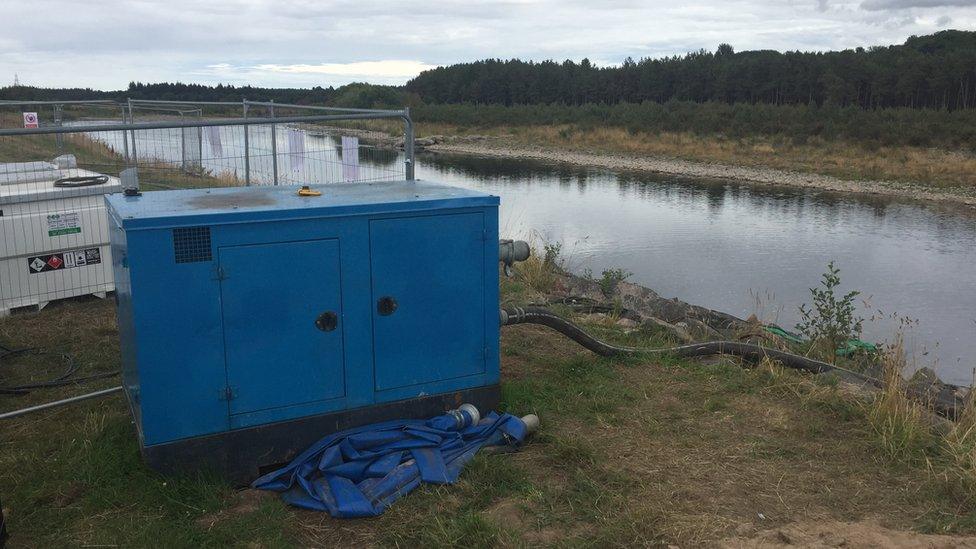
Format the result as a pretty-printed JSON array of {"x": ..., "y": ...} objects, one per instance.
[{"x": 192, "y": 244}]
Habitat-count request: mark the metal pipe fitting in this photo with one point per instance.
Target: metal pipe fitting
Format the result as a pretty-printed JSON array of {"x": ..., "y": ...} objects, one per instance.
[
  {"x": 510, "y": 251},
  {"x": 472, "y": 411},
  {"x": 531, "y": 422},
  {"x": 466, "y": 415}
]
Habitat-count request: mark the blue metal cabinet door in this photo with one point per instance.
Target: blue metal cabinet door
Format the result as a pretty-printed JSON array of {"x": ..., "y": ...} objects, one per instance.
[
  {"x": 433, "y": 269},
  {"x": 276, "y": 355}
]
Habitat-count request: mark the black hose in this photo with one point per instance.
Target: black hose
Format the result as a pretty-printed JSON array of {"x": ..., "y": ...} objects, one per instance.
[
  {"x": 66, "y": 377},
  {"x": 949, "y": 407},
  {"x": 545, "y": 317},
  {"x": 81, "y": 181}
]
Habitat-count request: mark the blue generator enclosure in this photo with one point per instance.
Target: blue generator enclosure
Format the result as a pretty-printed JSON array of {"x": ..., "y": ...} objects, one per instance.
[{"x": 255, "y": 321}]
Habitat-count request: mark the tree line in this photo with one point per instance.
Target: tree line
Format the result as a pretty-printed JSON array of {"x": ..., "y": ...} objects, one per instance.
[
  {"x": 799, "y": 123},
  {"x": 356, "y": 95},
  {"x": 920, "y": 93},
  {"x": 936, "y": 71}
]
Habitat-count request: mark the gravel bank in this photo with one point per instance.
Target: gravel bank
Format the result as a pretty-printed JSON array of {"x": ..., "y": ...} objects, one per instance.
[{"x": 483, "y": 146}]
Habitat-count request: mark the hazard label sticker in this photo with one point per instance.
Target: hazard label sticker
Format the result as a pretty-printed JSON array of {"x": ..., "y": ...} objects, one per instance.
[
  {"x": 63, "y": 223},
  {"x": 64, "y": 260}
]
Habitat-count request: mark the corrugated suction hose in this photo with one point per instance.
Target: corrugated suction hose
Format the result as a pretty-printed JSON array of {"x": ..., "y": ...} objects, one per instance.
[
  {"x": 545, "y": 317},
  {"x": 945, "y": 405}
]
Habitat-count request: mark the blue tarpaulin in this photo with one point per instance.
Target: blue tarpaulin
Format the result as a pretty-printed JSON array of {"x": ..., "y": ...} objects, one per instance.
[{"x": 360, "y": 472}]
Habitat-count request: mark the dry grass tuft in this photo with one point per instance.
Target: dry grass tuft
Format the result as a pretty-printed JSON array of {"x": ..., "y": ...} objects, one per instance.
[
  {"x": 959, "y": 448},
  {"x": 902, "y": 426},
  {"x": 539, "y": 272},
  {"x": 536, "y": 274}
]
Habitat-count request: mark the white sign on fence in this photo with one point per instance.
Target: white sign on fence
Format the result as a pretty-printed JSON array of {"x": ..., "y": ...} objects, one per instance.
[
  {"x": 30, "y": 119},
  {"x": 213, "y": 137},
  {"x": 350, "y": 158},
  {"x": 296, "y": 149}
]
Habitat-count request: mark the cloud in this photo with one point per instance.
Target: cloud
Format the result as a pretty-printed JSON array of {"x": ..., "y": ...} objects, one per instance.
[
  {"x": 943, "y": 21},
  {"x": 376, "y": 69},
  {"x": 303, "y": 43},
  {"x": 882, "y": 5},
  {"x": 392, "y": 72}
]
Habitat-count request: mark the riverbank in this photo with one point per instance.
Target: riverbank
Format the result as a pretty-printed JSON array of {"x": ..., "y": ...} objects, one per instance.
[
  {"x": 494, "y": 146},
  {"x": 918, "y": 173}
]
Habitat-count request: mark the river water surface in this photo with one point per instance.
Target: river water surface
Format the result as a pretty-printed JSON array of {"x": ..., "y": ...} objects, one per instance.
[{"x": 722, "y": 244}]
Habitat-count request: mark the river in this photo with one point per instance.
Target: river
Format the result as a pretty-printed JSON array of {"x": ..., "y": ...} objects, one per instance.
[{"x": 726, "y": 245}]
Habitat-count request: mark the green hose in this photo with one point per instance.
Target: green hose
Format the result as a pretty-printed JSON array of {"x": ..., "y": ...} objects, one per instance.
[{"x": 848, "y": 348}]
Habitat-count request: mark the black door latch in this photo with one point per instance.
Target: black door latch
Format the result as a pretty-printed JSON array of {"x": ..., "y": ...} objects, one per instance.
[
  {"x": 386, "y": 305},
  {"x": 327, "y": 321}
]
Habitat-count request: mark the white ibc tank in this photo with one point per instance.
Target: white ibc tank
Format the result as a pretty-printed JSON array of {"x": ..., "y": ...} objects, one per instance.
[{"x": 53, "y": 238}]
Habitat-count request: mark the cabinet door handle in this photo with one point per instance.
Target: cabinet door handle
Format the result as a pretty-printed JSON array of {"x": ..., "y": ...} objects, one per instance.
[
  {"x": 386, "y": 305},
  {"x": 327, "y": 321}
]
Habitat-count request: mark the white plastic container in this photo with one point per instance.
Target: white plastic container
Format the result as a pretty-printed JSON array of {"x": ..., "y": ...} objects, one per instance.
[{"x": 53, "y": 240}]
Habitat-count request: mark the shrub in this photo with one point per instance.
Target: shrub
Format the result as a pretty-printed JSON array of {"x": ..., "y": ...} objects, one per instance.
[
  {"x": 552, "y": 251},
  {"x": 611, "y": 279},
  {"x": 831, "y": 321}
]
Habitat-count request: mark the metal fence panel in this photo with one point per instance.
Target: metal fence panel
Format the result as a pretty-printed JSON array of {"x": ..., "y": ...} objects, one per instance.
[
  {"x": 53, "y": 225},
  {"x": 191, "y": 148}
]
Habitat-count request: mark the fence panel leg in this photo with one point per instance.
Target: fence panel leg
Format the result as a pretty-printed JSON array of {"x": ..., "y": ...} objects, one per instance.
[
  {"x": 183, "y": 146},
  {"x": 58, "y": 115},
  {"x": 274, "y": 145},
  {"x": 135, "y": 158},
  {"x": 125, "y": 139},
  {"x": 274, "y": 153},
  {"x": 408, "y": 150},
  {"x": 247, "y": 150}
]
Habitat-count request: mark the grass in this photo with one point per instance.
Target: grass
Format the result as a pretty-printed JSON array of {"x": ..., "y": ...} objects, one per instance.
[
  {"x": 901, "y": 425},
  {"x": 630, "y": 452},
  {"x": 930, "y": 167},
  {"x": 960, "y": 448},
  {"x": 534, "y": 273},
  {"x": 936, "y": 167}
]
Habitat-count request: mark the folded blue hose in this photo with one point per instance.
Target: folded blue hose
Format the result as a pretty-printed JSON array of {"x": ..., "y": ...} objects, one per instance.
[{"x": 360, "y": 472}]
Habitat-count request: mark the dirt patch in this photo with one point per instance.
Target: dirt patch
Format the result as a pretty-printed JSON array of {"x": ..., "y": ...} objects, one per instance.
[
  {"x": 72, "y": 491},
  {"x": 65, "y": 495},
  {"x": 244, "y": 502},
  {"x": 229, "y": 200},
  {"x": 515, "y": 517},
  {"x": 506, "y": 513},
  {"x": 844, "y": 534}
]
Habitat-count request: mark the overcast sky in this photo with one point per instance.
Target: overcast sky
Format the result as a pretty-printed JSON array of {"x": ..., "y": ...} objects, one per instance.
[{"x": 107, "y": 43}]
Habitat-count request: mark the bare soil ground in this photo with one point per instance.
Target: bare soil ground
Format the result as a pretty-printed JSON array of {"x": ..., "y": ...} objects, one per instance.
[{"x": 856, "y": 535}]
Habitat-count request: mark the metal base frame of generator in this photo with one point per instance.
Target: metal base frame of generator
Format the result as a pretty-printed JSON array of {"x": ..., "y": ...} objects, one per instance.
[{"x": 242, "y": 455}]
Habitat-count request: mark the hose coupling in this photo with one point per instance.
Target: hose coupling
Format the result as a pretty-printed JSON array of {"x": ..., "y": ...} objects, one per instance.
[
  {"x": 466, "y": 415},
  {"x": 510, "y": 251},
  {"x": 511, "y": 315}
]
